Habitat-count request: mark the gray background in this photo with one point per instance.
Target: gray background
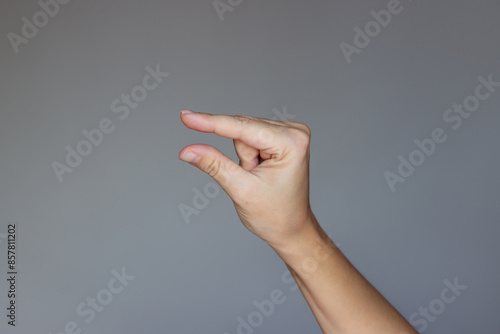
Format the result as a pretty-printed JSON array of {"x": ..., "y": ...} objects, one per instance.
[{"x": 120, "y": 207}]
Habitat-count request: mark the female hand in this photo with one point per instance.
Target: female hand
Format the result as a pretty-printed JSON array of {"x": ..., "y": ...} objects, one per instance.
[{"x": 270, "y": 186}]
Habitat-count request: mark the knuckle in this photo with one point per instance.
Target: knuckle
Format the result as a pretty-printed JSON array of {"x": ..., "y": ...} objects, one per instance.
[
  {"x": 300, "y": 136},
  {"x": 213, "y": 168},
  {"x": 304, "y": 128},
  {"x": 243, "y": 120}
]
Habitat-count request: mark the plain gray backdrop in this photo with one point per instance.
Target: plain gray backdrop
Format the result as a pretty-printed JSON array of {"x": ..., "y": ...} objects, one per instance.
[{"x": 121, "y": 206}]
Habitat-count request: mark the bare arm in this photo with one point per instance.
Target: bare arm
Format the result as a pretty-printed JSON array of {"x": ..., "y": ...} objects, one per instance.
[
  {"x": 342, "y": 300},
  {"x": 272, "y": 200}
]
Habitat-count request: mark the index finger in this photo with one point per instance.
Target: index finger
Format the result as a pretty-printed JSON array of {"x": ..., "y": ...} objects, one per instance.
[{"x": 256, "y": 132}]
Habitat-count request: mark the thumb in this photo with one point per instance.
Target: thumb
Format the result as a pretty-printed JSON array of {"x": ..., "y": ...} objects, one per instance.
[{"x": 228, "y": 174}]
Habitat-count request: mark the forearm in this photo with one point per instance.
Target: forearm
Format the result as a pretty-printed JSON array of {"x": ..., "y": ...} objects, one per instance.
[
  {"x": 342, "y": 300},
  {"x": 270, "y": 190}
]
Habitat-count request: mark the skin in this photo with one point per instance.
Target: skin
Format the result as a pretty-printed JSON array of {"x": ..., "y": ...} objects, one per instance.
[{"x": 270, "y": 191}]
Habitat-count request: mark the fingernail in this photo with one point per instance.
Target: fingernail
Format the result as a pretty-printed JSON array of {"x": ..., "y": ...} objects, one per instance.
[
  {"x": 185, "y": 111},
  {"x": 190, "y": 157}
]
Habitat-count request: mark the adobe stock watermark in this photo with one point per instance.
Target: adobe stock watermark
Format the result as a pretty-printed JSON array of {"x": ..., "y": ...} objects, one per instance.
[
  {"x": 372, "y": 29},
  {"x": 454, "y": 117},
  {"x": 264, "y": 309},
  {"x": 309, "y": 265},
  {"x": 89, "y": 309},
  {"x": 223, "y": 6},
  {"x": 30, "y": 28},
  {"x": 202, "y": 197},
  {"x": 425, "y": 315},
  {"x": 121, "y": 107}
]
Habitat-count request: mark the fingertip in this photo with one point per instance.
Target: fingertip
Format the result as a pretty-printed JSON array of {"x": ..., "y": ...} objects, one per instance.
[{"x": 190, "y": 157}]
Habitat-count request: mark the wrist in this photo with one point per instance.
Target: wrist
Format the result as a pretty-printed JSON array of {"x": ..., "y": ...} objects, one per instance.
[{"x": 305, "y": 252}]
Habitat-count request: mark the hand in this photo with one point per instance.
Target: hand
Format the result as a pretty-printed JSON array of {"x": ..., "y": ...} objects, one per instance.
[
  {"x": 270, "y": 190},
  {"x": 270, "y": 186}
]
